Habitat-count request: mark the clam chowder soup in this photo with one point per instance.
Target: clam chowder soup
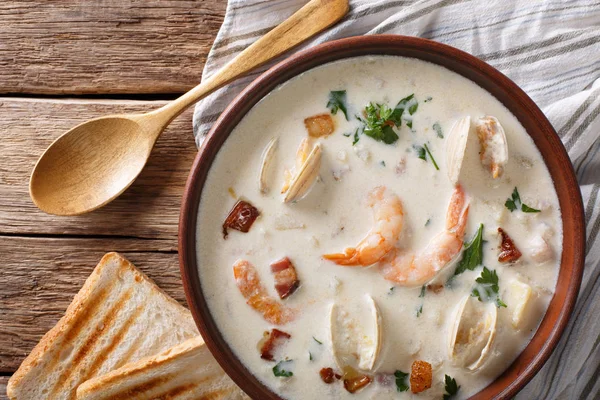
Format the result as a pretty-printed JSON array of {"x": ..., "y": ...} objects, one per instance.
[{"x": 378, "y": 227}]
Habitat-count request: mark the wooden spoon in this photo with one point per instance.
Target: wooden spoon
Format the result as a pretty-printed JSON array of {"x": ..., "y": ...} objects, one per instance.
[{"x": 93, "y": 163}]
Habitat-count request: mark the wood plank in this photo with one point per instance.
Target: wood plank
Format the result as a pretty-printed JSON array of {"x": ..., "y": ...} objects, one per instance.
[
  {"x": 149, "y": 208},
  {"x": 109, "y": 46},
  {"x": 41, "y": 276},
  {"x": 3, "y": 382}
]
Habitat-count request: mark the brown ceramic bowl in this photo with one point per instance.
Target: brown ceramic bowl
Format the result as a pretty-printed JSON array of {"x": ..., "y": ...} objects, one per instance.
[{"x": 531, "y": 117}]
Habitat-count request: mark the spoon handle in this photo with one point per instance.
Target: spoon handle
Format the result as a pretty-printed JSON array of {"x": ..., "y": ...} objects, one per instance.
[{"x": 314, "y": 17}]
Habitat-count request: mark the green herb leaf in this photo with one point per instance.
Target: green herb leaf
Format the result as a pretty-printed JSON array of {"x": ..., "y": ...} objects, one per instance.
[
  {"x": 356, "y": 138},
  {"x": 347, "y": 134},
  {"x": 422, "y": 291},
  {"x": 389, "y": 136},
  {"x": 500, "y": 303},
  {"x": 419, "y": 310},
  {"x": 279, "y": 370},
  {"x": 488, "y": 287},
  {"x": 421, "y": 153},
  {"x": 377, "y": 123},
  {"x": 310, "y": 357},
  {"x": 510, "y": 204},
  {"x": 527, "y": 209},
  {"x": 391, "y": 291},
  {"x": 316, "y": 340},
  {"x": 409, "y": 104},
  {"x": 431, "y": 157},
  {"x": 401, "y": 381},
  {"x": 428, "y": 221},
  {"x": 382, "y": 163},
  {"x": 428, "y": 99},
  {"x": 513, "y": 202},
  {"x": 473, "y": 253},
  {"x": 451, "y": 387},
  {"x": 337, "y": 101},
  {"x": 438, "y": 129}
]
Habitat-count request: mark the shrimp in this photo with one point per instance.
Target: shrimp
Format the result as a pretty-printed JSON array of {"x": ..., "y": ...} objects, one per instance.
[
  {"x": 382, "y": 238},
  {"x": 247, "y": 280},
  {"x": 415, "y": 269}
]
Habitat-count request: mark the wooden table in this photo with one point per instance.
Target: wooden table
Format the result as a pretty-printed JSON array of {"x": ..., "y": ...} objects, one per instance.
[{"x": 63, "y": 62}]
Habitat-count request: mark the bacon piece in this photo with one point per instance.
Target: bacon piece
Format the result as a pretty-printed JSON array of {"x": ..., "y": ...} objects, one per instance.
[
  {"x": 319, "y": 125},
  {"x": 328, "y": 376},
  {"x": 241, "y": 217},
  {"x": 275, "y": 338},
  {"x": 435, "y": 288},
  {"x": 420, "y": 376},
  {"x": 355, "y": 384},
  {"x": 286, "y": 279},
  {"x": 508, "y": 250}
]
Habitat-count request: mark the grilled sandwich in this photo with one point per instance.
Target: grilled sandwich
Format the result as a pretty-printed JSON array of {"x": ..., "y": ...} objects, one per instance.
[
  {"x": 185, "y": 372},
  {"x": 118, "y": 316}
]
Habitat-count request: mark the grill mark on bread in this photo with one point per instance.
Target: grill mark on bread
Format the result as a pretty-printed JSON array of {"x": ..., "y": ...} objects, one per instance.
[
  {"x": 115, "y": 341},
  {"x": 216, "y": 395},
  {"x": 129, "y": 353},
  {"x": 154, "y": 384},
  {"x": 78, "y": 323},
  {"x": 108, "y": 319},
  {"x": 140, "y": 389},
  {"x": 178, "y": 391}
]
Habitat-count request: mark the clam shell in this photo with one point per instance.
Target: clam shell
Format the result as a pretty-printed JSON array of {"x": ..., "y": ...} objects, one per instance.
[
  {"x": 267, "y": 159},
  {"x": 356, "y": 336},
  {"x": 306, "y": 176},
  {"x": 472, "y": 333},
  {"x": 456, "y": 144},
  {"x": 492, "y": 143}
]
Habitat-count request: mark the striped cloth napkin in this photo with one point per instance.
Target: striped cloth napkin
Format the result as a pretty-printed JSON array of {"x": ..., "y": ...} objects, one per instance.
[{"x": 551, "y": 49}]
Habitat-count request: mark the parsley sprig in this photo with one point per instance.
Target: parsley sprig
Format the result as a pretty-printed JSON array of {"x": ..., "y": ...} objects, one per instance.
[
  {"x": 377, "y": 123},
  {"x": 278, "y": 370},
  {"x": 514, "y": 202},
  {"x": 423, "y": 152},
  {"x": 488, "y": 287},
  {"x": 337, "y": 101},
  {"x": 472, "y": 256},
  {"x": 380, "y": 119},
  {"x": 401, "y": 381},
  {"x": 451, "y": 387},
  {"x": 410, "y": 104}
]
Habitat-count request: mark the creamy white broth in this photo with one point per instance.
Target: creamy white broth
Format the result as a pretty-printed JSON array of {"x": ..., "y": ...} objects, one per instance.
[{"x": 334, "y": 215}]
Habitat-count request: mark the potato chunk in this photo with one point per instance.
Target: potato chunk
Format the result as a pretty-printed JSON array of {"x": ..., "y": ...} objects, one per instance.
[
  {"x": 319, "y": 125},
  {"x": 420, "y": 376}
]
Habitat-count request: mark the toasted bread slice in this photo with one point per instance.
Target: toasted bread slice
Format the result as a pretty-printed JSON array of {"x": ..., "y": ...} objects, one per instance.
[
  {"x": 118, "y": 316},
  {"x": 186, "y": 371}
]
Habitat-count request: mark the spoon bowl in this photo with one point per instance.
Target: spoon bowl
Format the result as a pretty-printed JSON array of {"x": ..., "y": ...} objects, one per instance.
[
  {"x": 91, "y": 164},
  {"x": 96, "y": 161}
]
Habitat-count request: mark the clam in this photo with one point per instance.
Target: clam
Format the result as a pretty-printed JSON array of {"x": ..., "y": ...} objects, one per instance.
[
  {"x": 305, "y": 177},
  {"x": 456, "y": 144},
  {"x": 472, "y": 333},
  {"x": 492, "y": 142},
  {"x": 517, "y": 298},
  {"x": 266, "y": 162},
  {"x": 355, "y": 333}
]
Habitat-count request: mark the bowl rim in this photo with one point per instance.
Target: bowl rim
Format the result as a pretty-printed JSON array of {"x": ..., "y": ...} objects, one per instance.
[{"x": 539, "y": 349}]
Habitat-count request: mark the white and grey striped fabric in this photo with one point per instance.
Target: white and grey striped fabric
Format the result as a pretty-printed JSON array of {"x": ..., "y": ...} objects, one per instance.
[{"x": 550, "y": 48}]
